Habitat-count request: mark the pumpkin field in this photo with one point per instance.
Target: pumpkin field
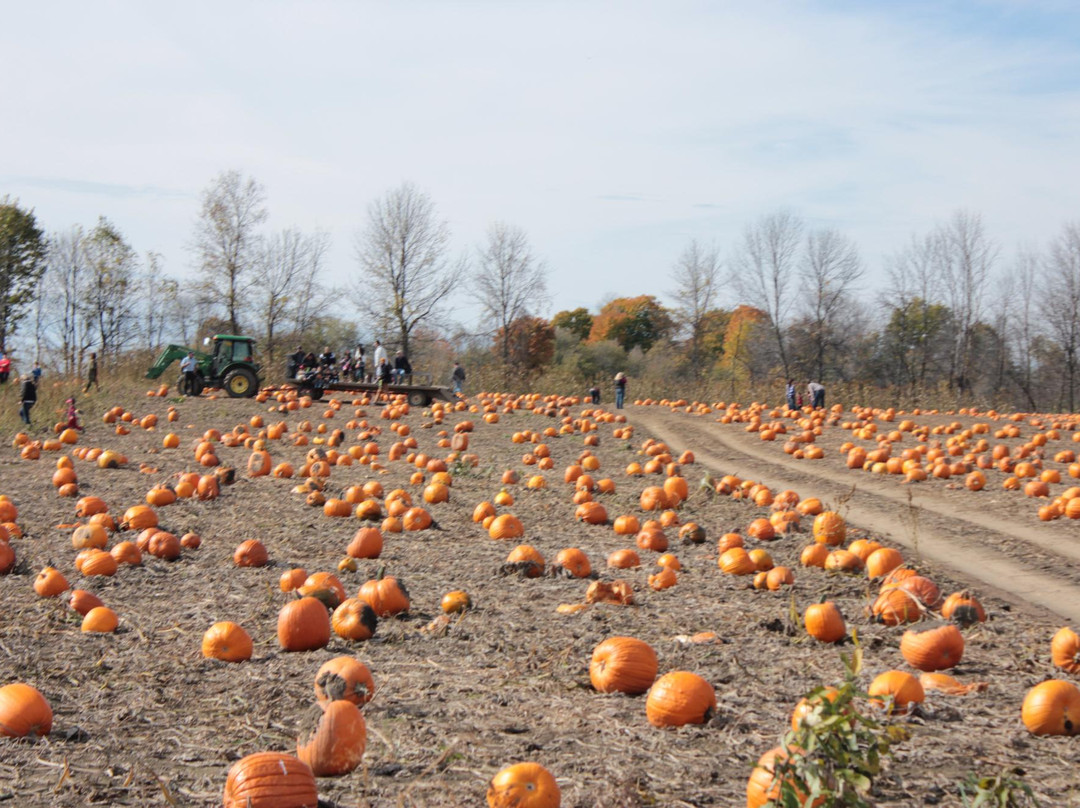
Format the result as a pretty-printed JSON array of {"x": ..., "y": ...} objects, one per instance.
[{"x": 280, "y": 602}]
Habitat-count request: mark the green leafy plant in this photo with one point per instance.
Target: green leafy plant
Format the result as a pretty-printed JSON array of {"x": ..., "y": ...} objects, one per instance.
[
  {"x": 837, "y": 749},
  {"x": 1003, "y": 790}
]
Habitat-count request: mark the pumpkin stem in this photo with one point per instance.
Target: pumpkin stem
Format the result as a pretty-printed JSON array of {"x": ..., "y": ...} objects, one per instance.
[{"x": 380, "y": 572}]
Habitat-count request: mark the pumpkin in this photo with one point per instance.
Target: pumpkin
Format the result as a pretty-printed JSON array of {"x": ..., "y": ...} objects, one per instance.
[
  {"x": 164, "y": 545},
  {"x": 251, "y": 553},
  {"x": 574, "y": 561},
  {"x": 963, "y": 608},
  {"x": 692, "y": 533},
  {"x": 100, "y": 620},
  {"x": 921, "y": 588},
  {"x": 293, "y": 579},
  {"x": 1052, "y": 708},
  {"x": 90, "y": 535},
  {"x": 626, "y": 525},
  {"x": 934, "y": 648},
  {"x": 270, "y": 780},
  {"x": 506, "y": 526},
  {"x": 127, "y": 552},
  {"x": 654, "y": 498},
  {"x": 1065, "y": 650},
  {"x": 804, "y": 712},
  {"x": 88, "y": 506},
  {"x": 23, "y": 711},
  {"x": 623, "y": 665},
  {"x": 50, "y": 582},
  {"x": 259, "y": 464},
  {"x": 99, "y": 563},
  {"x": 367, "y": 542},
  {"x": 894, "y": 607},
  {"x": 82, "y": 601},
  {"x": 948, "y": 685},
  {"x": 386, "y": 596},
  {"x": 416, "y": 519},
  {"x": 526, "y": 559},
  {"x": 679, "y": 698},
  {"x": 824, "y": 622},
  {"x": 344, "y": 677},
  {"x": 763, "y": 789},
  {"x": 303, "y": 625},
  {"x": 902, "y": 688},
  {"x": 523, "y": 785},
  {"x": 664, "y": 579},
  {"x": 324, "y": 587},
  {"x": 139, "y": 517},
  {"x": 354, "y": 619},
  {"x": 227, "y": 641},
  {"x": 736, "y": 561},
  {"x": 814, "y": 555},
  {"x": 883, "y": 561},
  {"x": 335, "y": 744},
  {"x": 624, "y": 559},
  {"x": 456, "y": 602},
  {"x": 830, "y": 528},
  {"x": 592, "y": 513}
]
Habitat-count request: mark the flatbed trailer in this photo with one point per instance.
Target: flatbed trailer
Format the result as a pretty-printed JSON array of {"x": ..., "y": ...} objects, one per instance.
[{"x": 418, "y": 395}]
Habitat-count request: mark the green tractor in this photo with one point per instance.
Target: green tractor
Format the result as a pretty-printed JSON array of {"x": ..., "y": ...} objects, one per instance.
[{"x": 230, "y": 366}]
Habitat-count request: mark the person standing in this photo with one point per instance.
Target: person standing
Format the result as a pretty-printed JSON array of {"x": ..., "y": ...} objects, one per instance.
[
  {"x": 457, "y": 378},
  {"x": 28, "y": 397},
  {"x": 36, "y": 373},
  {"x": 91, "y": 374},
  {"x": 791, "y": 394},
  {"x": 5, "y": 368},
  {"x": 187, "y": 377},
  {"x": 379, "y": 357},
  {"x": 816, "y": 393},
  {"x": 620, "y": 389}
]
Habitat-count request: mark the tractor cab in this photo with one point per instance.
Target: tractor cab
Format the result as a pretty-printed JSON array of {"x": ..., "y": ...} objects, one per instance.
[{"x": 230, "y": 349}]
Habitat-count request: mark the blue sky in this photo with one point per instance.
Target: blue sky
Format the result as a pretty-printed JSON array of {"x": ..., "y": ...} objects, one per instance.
[{"x": 613, "y": 133}]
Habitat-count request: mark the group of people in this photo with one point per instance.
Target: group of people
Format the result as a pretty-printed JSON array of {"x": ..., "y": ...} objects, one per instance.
[
  {"x": 620, "y": 391},
  {"x": 28, "y": 391},
  {"x": 815, "y": 394},
  {"x": 354, "y": 366}
]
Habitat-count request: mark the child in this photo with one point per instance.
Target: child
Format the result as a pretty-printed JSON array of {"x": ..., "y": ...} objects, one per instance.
[{"x": 72, "y": 416}]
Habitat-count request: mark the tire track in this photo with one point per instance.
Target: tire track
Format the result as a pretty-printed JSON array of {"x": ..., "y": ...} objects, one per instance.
[{"x": 948, "y": 538}]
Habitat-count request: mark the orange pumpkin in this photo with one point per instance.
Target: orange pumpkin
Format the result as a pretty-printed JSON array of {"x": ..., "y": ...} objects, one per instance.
[
  {"x": 623, "y": 665},
  {"x": 523, "y": 785},
  {"x": 679, "y": 698},
  {"x": 228, "y": 642},
  {"x": 303, "y": 625}
]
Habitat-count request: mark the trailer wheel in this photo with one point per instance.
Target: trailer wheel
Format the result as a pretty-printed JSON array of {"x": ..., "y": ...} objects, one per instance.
[
  {"x": 241, "y": 383},
  {"x": 418, "y": 398}
]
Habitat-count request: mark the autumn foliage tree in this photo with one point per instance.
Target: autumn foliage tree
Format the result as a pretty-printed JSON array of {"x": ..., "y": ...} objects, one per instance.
[
  {"x": 529, "y": 343},
  {"x": 577, "y": 321},
  {"x": 737, "y": 362},
  {"x": 633, "y": 322}
]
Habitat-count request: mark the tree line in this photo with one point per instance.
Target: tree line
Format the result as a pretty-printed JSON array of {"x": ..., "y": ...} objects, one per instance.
[{"x": 955, "y": 318}]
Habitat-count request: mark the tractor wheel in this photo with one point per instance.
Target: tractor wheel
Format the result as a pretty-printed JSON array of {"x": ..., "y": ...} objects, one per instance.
[
  {"x": 241, "y": 383},
  {"x": 418, "y": 398}
]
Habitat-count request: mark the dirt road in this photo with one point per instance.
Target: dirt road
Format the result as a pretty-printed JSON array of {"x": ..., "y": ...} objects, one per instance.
[{"x": 1012, "y": 558}]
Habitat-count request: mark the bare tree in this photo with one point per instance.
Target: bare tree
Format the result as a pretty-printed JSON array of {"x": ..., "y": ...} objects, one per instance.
[
  {"x": 407, "y": 275},
  {"x": 226, "y": 239},
  {"x": 510, "y": 282},
  {"x": 763, "y": 268},
  {"x": 913, "y": 333},
  {"x": 159, "y": 294},
  {"x": 1061, "y": 305},
  {"x": 964, "y": 257},
  {"x": 66, "y": 272},
  {"x": 289, "y": 263},
  {"x": 697, "y": 278},
  {"x": 108, "y": 294},
  {"x": 830, "y": 270},
  {"x": 1022, "y": 331}
]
